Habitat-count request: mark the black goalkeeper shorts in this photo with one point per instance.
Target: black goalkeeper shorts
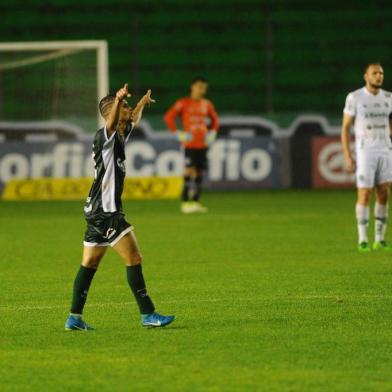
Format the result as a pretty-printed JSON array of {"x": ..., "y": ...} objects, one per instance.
[
  {"x": 106, "y": 230},
  {"x": 196, "y": 158}
]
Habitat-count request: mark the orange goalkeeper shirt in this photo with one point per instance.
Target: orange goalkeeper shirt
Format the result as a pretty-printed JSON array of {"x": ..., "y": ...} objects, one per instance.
[{"x": 197, "y": 116}]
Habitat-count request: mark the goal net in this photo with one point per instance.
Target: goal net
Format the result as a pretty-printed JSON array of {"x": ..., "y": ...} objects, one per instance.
[{"x": 46, "y": 81}]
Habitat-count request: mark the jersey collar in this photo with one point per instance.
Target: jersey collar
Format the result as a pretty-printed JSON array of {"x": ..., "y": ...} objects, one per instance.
[{"x": 369, "y": 93}]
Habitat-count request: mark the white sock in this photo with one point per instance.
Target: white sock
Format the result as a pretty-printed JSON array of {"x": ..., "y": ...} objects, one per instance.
[
  {"x": 362, "y": 214},
  {"x": 380, "y": 221}
]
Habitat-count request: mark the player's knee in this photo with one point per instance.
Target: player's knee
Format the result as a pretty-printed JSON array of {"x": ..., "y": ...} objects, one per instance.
[
  {"x": 364, "y": 197},
  {"x": 135, "y": 258},
  {"x": 199, "y": 178},
  {"x": 192, "y": 172},
  {"x": 382, "y": 195},
  {"x": 91, "y": 262},
  {"x": 189, "y": 172},
  {"x": 383, "y": 199}
]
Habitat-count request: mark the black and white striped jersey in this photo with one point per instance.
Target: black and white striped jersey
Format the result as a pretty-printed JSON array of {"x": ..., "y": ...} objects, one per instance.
[{"x": 109, "y": 156}]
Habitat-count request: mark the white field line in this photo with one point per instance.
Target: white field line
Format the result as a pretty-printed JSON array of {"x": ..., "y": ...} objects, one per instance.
[{"x": 204, "y": 300}]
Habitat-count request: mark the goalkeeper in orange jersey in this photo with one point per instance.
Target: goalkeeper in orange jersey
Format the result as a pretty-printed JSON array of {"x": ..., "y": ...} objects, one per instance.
[{"x": 199, "y": 129}]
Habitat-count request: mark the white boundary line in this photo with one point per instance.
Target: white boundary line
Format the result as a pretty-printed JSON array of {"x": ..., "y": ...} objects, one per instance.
[{"x": 344, "y": 298}]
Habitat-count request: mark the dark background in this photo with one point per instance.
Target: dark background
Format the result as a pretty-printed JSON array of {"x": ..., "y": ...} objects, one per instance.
[{"x": 274, "y": 58}]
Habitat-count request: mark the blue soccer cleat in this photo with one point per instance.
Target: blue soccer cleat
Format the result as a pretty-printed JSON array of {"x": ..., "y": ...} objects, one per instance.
[
  {"x": 76, "y": 323},
  {"x": 156, "y": 320}
]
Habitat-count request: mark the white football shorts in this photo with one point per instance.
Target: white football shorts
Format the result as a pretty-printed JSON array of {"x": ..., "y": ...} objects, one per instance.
[{"x": 373, "y": 168}]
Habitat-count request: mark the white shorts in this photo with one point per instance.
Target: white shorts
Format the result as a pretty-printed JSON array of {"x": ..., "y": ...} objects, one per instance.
[{"x": 373, "y": 168}]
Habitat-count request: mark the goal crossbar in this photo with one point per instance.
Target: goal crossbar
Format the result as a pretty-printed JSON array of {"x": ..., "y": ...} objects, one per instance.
[{"x": 100, "y": 46}]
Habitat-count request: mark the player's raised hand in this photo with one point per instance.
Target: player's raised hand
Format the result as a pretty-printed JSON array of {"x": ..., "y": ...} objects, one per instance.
[
  {"x": 147, "y": 100},
  {"x": 123, "y": 92}
]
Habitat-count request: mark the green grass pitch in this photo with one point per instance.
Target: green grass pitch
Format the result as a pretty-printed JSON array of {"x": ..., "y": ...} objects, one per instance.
[{"x": 268, "y": 289}]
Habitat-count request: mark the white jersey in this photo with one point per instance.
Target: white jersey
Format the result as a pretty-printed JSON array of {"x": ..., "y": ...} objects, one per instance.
[{"x": 371, "y": 114}]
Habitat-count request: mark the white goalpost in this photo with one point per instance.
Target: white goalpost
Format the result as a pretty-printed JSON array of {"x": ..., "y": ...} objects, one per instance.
[{"x": 53, "y": 80}]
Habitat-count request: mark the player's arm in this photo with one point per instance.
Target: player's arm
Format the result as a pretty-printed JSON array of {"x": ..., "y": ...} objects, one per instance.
[
  {"x": 172, "y": 114},
  {"x": 112, "y": 120},
  {"x": 214, "y": 118},
  {"x": 390, "y": 125},
  {"x": 349, "y": 113},
  {"x": 347, "y": 123},
  {"x": 138, "y": 111},
  {"x": 170, "y": 120},
  {"x": 214, "y": 126}
]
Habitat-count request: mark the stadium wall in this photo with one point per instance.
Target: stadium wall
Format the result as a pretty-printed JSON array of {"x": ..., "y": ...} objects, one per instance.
[
  {"x": 262, "y": 76},
  {"x": 249, "y": 53},
  {"x": 235, "y": 163},
  {"x": 250, "y": 152}
]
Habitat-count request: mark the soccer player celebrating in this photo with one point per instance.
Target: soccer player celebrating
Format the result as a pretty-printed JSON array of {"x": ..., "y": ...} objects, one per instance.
[
  {"x": 371, "y": 108},
  {"x": 106, "y": 224},
  {"x": 199, "y": 129}
]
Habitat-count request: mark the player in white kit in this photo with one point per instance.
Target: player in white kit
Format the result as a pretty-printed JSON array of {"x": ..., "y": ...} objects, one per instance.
[{"x": 369, "y": 111}]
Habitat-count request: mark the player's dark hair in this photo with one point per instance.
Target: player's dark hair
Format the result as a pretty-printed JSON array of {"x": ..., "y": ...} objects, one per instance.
[
  {"x": 372, "y": 63},
  {"x": 199, "y": 79},
  {"x": 105, "y": 100}
]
